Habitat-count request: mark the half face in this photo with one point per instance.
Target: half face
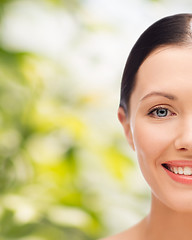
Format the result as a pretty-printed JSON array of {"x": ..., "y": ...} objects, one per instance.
[{"x": 159, "y": 127}]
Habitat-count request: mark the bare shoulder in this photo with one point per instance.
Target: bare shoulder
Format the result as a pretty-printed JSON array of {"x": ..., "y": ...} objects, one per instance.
[{"x": 134, "y": 233}]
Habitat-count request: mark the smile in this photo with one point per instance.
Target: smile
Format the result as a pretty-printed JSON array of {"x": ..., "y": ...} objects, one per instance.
[{"x": 179, "y": 171}]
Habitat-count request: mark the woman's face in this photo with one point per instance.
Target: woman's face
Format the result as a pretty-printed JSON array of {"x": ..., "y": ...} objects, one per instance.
[{"x": 159, "y": 126}]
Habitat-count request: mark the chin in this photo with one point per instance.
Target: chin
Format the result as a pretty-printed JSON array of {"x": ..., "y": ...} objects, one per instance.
[
  {"x": 181, "y": 207},
  {"x": 179, "y": 204}
]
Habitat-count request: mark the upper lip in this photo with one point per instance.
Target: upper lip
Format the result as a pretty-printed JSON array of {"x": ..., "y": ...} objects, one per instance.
[{"x": 179, "y": 163}]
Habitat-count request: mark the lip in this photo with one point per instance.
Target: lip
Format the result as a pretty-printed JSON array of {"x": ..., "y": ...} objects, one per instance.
[
  {"x": 179, "y": 163},
  {"x": 184, "y": 179}
]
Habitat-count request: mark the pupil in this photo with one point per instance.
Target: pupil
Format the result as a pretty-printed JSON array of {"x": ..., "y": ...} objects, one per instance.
[{"x": 162, "y": 112}]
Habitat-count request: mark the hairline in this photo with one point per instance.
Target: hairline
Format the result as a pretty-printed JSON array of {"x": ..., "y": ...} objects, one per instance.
[{"x": 126, "y": 106}]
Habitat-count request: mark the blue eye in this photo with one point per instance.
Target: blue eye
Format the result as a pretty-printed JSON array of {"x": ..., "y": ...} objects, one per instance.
[
  {"x": 162, "y": 112},
  {"x": 159, "y": 112}
]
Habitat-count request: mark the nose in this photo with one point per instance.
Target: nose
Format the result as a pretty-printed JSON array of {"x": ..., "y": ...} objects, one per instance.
[{"x": 183, "y": 140}]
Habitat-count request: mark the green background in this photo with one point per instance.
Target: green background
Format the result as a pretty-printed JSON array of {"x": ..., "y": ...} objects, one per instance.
[{"x": 66, "y": 171}]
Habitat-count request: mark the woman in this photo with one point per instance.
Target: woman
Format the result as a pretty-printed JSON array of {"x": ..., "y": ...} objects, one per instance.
[{"x": 156, "y": 114}]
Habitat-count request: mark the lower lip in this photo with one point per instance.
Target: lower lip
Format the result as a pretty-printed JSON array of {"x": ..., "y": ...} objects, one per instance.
[{"x": 179, "y": 178}]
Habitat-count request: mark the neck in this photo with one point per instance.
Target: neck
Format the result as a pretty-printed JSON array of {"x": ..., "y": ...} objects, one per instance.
[{"x": 165, "y": 223}]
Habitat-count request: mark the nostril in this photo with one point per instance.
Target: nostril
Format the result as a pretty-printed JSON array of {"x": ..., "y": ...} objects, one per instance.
[{"x": 183, "y": 149}]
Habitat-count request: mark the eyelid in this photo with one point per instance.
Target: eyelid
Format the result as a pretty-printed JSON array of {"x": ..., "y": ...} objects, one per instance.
[
  {"x": 151, "y": 110},
  {"x": 167, "y": 106}
]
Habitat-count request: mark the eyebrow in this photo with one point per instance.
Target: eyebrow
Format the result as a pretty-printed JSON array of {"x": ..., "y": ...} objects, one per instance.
[{"x": 166, "y": 95}]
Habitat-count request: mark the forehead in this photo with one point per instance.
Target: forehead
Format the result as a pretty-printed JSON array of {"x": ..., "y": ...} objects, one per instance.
[
  {"x": 166, "y": 69},
  {"x": 164, "y": 65}
]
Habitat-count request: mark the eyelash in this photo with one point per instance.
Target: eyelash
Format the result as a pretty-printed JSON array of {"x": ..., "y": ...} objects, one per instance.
[{"x": 151, "y": 112}]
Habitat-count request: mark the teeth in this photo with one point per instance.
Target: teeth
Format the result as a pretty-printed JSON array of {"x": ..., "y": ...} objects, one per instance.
[
  {"x": 175, "y": 170},
  {"x": 181, "y": 170},
  {"x": 187, "y": 171}
]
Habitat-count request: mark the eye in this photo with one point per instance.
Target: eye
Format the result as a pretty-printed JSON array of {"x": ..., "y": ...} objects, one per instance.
[{"x": 160, "y": 112}]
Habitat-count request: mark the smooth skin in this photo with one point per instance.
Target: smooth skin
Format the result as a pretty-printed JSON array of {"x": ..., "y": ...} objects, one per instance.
[{"x": 159, "y": 129}]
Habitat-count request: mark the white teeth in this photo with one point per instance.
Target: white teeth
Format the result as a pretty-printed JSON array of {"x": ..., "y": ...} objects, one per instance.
[
  {"x": 175, "y": 170},
  {"x": 181, "y": 170},
  {"x": 187, "y": 171}
]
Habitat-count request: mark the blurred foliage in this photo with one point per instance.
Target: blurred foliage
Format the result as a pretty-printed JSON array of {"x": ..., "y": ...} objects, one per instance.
[
  {"x": 69, "y": 5},
  {"x": 49, "y": 150}
]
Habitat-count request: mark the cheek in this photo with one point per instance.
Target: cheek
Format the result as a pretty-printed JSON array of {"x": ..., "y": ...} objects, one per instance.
[{"x": 152, "y": 141}]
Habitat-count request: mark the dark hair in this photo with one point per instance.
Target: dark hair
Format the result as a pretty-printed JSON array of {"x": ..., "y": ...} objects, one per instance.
[{"x": 171, "y": 30}]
